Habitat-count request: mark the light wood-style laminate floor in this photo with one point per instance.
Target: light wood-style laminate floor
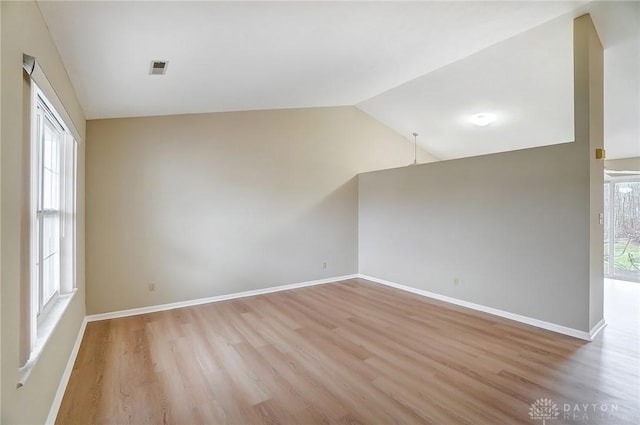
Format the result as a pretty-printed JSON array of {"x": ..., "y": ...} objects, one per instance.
[{"x": 351, "y": 352}]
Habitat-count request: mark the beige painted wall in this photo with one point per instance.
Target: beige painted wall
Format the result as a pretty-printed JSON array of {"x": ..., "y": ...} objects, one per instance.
[
  {"x": 0, "y": 219},
  {"x": 211, "y": 204},
  {"x": 24, "y": 31}
]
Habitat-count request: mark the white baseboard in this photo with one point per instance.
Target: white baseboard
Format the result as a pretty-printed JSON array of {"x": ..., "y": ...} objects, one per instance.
[
  {"x": 171, "y": 306},
  {"x": 587, "y": 336},
  {"x": 62, "y": 386},
  {"x": 596, "y": 329}
]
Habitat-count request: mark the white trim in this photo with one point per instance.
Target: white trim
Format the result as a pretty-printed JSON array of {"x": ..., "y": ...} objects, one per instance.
[
  {"x": 46, "y": 327},
  {"x": 596, "y": 329},
  {"x": 171, "y": 306},
  {"x": 587, "y": 336},
  {"x": 39, "y": 77},
  {"x": 62, "y": 386}
]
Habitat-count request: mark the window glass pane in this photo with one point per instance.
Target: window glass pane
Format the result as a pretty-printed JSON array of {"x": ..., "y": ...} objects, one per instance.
[
  {"x": 50, "y": 256},
  {"x": 47, "y": 183},
  {"x": 49, "y": 175},
  {"x": 50, "y": 235},
  {"x": 46, "y": 141},
  {"x": 50, "y": 166},
  {"x": 626, "y": 230},
  {"x": 607, "y": 213},
  {"x": 50, "y": 277}
]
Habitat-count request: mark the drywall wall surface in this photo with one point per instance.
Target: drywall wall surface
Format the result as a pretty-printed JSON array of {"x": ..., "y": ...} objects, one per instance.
[
  {"x": 588, "y": 78},
  {"x": 507, "y": 230},
  {"x": 24, "y": 31},
  {"x": 211, "y": 204},
  {"x": 0, "y": 222}
]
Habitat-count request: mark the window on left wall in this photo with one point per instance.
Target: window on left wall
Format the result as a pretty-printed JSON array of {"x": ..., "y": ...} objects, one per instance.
[{"x": 52, "y": 253}]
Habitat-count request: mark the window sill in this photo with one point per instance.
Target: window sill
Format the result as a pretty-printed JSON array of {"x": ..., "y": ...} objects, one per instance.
[{"x": 46, "y": 326}]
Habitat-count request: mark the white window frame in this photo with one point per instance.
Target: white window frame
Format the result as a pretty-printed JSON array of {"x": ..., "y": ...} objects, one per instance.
[
  {"x": 44, "y": 116},
  {"x": 45, "y": 313}
]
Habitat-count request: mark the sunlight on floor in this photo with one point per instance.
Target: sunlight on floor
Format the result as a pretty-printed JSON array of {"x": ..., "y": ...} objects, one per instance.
[{"x": 622, "y": 305}]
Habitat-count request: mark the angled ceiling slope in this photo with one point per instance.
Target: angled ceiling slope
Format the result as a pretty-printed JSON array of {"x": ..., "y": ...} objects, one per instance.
[{"x": 527, "y": 83}]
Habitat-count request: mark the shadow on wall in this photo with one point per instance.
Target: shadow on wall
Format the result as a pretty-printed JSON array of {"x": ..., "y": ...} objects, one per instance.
[
  {"x": 197, "y": 236},
  {"x": 248, "y": 253}
]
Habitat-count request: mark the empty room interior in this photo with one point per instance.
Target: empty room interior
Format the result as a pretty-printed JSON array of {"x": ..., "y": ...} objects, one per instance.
[{"x": 320, "y": 212}]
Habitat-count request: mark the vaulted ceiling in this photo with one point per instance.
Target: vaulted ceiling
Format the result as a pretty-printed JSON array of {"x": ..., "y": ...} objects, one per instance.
[{"x": 385, "y": 57}]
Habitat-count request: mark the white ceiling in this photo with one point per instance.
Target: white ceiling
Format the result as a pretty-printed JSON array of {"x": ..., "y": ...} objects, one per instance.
[
  {"x": 230, "y": 56},
  {"x": 527, "y": 82},
  {"x": 618, "y": 25}
]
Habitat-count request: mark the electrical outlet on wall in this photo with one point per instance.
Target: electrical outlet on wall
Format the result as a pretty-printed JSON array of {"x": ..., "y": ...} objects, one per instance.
[
  {"x": 152, "y": 287},
  {"x": 324, "y": 264},
  {"x": 456, "y": 281}
]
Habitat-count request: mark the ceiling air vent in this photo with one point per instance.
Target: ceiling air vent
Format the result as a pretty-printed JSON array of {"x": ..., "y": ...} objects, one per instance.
[{"x": 158, "y": 67}]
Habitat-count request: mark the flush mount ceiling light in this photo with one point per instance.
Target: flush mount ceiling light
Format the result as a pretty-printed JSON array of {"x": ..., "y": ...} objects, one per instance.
[{"x": 483, "y": 119}]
